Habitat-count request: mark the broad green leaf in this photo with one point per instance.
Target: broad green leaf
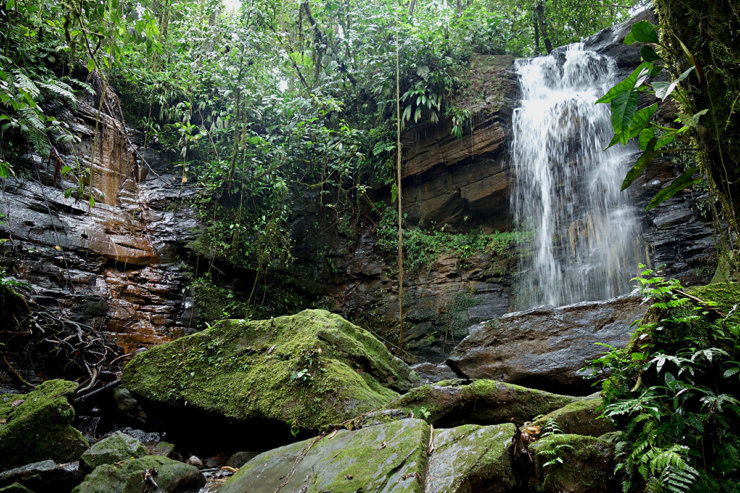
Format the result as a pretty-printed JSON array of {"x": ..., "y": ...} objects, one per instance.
[
  {"x": 629, "y": 39},
  {"x": 681, "y": 183},
  {"x": 623, "y": 107},
  {"x": 644, "y": 32},
  {"x": 90, "y": 65},
  {"x": 648, "y": 54},
  {"x": 664, "y": 89},
  {"x": 646, "y": 136},
  {"x": 628, "y": 84},
  {"x": 666, "y": 139},
  {"x": 640, "y": 165},
  {"x": 642, "y": 119}
]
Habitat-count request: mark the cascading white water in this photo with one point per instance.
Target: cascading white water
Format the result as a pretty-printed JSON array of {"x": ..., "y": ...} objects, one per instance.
[{"x": 567, "y": 186}]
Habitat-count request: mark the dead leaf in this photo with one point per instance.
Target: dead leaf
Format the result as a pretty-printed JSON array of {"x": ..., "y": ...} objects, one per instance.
[
  {"x": 229, "y": 468},
  {"x": 533, "y": 430},
  {"x": 348, "y": 476},
  {"x": 382, "y": 446},
  {"x": 17, "y": 403}
]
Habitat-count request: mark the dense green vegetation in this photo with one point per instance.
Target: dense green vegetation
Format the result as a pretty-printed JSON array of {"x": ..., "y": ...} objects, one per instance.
[
  {"x": 274, "y": 102},
  {"x": 267, "y": 101},
  {"x": 674, "y": 390}
]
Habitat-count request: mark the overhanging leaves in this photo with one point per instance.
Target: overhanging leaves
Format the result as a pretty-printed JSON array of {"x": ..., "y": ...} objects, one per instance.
[
  {"x": 641, "y": 163},
  {"x": 627, "y": 84},
  {"x": 681, "y": 183}
]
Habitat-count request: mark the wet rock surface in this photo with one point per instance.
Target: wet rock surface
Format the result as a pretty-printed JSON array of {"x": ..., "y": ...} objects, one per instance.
[
  {"x": 480, "y": 402},
  {"x": 385, "y": 458},
  {"x": 44, "y": 476},
  {"x": 546, "y": 347},
  {"x": 129, "y": 475},
  {"x": 113, "y": 266}
]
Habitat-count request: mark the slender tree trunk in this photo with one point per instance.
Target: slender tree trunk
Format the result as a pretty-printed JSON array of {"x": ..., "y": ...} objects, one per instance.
[
  {"x": 540, "y": 15},
  {"x": 400, "y": 195}
]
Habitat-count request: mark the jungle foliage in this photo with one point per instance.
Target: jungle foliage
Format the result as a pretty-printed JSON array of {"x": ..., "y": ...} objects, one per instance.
[
  {"x": 264, "y": 100},
  {"x": 674, "y": 390}
]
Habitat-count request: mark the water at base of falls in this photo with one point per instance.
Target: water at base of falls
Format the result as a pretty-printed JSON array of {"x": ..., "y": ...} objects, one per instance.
[{"x": 567, "y": 188}]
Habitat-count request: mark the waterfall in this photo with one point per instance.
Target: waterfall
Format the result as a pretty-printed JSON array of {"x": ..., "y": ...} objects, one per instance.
[{"x": 566, "y": 186}]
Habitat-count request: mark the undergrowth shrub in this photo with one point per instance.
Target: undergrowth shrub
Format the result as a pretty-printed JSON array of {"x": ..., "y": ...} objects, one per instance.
[{"x": 673, "y": 391}]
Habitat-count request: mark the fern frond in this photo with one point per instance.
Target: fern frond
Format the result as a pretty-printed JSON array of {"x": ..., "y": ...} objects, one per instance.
[
  {"x": 82, "y": 85},
  {"x": 25, "y": 84},
  {"x": 61, "y": 91}
]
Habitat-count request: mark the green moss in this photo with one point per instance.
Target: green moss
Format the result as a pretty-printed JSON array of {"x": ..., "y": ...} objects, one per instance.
[
  {"x": 128, "y": 476},
  {"x": 389, "y": 457},
  {"x": 39, "y": 427},
  {"x": 116, "y": 447},
  {"x": 15, "y": 488},
  {"x": 585, "y": 465},
  {"x": 580, "y": 417},
  {"x": 313, "y": 368},
  {"x": 725, "y": 294},
  {"x": 482, "y": 401},
  {"x": 472, "y": 458}
]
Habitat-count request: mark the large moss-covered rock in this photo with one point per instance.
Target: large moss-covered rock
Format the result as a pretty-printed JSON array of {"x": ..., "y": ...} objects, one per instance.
[
  {"x": 586, "y": 465},
  {"x": 452, "y": 402},
  {"x": 128, "y": 476},
  {"x": 116, "y": 447},
  {"x": 385, "y": 458},
  {"x": 471, "y": 458},
  {"x": 313, "y": 368},
  {"x": 580, "y": 418},
  {"x": 38, "y": 425}
]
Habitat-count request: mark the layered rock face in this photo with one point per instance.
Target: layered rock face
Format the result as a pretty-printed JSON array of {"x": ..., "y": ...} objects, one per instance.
[
  {"x": 465, "y": 185},
  {"x": 111, "y": 266}
]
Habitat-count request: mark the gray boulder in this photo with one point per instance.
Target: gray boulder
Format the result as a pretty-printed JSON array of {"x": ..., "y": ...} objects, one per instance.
[{"x": 546, "y": 347}]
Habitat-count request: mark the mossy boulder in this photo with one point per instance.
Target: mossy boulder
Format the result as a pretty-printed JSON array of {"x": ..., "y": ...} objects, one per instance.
[
  {"x": 128, "y": 476},
  {"x": 313, "y": 368},
  {"x": 453, "y": 402},
  {"x": 383, "y": 458},
  {"x": 38, "y": 425},
  {"x": 580, "y": 418},
  {"x": 586, "y": 464},
  {"x": 114, "y": 448},
  {"x": 15, "y": 488},
  {"x": 471, "y": 458}
]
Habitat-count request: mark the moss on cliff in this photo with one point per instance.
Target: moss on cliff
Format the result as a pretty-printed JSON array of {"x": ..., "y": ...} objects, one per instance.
[{"x": 312, "y": 369}]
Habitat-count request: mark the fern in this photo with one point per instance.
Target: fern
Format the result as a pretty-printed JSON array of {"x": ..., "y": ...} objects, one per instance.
[
  {"x": 80, "y": 84},
  {"x": 25, "y": 84},
  {"x": 61, "y": 91}
]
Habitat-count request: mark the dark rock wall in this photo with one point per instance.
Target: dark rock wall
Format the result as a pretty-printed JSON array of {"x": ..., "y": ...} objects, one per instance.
[
  {"x": 113, "y": 266},
  {"x": 465, "y": 184}
]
